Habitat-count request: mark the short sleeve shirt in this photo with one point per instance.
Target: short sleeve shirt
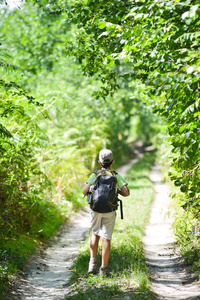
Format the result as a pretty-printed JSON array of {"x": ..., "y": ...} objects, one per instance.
[{"x": 120, "y": 180}]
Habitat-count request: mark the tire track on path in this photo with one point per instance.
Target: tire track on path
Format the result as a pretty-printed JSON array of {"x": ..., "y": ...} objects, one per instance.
[{"x": 169, "y": 277}]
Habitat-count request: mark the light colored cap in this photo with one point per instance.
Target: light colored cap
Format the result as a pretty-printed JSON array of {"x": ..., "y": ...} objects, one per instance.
[{"x": 105, "y": 156}]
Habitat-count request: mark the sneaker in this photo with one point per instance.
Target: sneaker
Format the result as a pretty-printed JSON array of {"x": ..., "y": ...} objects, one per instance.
[
  {"x": 105, "y": 272},
  {"x": 92, "y": 267}
]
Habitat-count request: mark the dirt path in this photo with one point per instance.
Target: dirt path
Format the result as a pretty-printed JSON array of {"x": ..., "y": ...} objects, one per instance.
[
  {"x": 168, "y": 274},
  {"x": 47, "y": 274}
]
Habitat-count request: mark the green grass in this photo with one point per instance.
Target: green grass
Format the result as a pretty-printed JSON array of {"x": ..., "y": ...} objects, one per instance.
[
  {"x": 130, "y": 279},
  {"x": 20, "y": 236}
]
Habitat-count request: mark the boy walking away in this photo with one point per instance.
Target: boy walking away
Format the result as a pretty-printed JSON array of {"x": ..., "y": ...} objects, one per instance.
[{"x": 106, "y": 185}]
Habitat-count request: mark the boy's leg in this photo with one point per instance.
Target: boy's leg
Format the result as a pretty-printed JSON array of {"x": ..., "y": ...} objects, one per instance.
[
  {"x": 93, "y": 254},
  {"x": 94, "y": 245},
  {"x": 105, "y": 251},
  {"x": 104, "y": 271}
]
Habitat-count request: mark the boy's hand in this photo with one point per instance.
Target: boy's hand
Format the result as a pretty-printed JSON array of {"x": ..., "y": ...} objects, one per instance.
[
  {"x": 119, "y": 191},
  {"x": 86, "y": 189}
]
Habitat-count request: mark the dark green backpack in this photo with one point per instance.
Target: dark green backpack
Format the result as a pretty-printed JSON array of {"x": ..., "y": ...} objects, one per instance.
[{"x": 104, "y": 197}]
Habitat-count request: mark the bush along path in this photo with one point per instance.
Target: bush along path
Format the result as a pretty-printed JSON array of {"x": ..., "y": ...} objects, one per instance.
[{"x": 169, "y": 276}]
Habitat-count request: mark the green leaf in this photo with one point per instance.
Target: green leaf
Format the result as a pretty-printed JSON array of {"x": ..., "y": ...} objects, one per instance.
[
  {"x": 196, "y": 114},
  {"x": 182, "y": 128},
  {"x": 102, "y": 25},
  {"x": 156, "y": 81},
  {"x": 167, "y": 87}
]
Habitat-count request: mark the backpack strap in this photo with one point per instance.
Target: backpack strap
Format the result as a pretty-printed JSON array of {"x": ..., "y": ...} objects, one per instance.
[{"x": 112, "y": 172}]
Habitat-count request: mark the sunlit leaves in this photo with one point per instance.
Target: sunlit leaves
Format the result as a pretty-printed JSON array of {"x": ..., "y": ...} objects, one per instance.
[{"x": 160, "y": 40}]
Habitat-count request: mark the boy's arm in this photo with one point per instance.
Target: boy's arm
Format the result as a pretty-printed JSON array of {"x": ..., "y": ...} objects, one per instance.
[
  {"x": 89, "y": 182},
  {"x": 124, "y": 191},
  {"x": 86, "y": 188}
]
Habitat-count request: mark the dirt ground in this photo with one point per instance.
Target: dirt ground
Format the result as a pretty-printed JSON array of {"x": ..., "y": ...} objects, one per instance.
[
  {"x": 169, "y": 276},
  {"x": 47, "y": 274}
]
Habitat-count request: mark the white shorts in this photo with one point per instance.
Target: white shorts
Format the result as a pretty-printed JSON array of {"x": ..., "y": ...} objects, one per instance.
[{"x": 103, "y": 223}]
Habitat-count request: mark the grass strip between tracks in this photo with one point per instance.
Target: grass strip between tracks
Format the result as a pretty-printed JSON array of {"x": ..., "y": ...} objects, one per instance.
[{"x": 129, "y": 278}]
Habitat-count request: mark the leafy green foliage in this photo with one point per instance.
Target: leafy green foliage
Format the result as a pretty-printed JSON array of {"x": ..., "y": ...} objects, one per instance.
[
  {"x": 187, "y": 229},
  {"x": 159, "y": 44},
  {"x": 23, "y": 203}
]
